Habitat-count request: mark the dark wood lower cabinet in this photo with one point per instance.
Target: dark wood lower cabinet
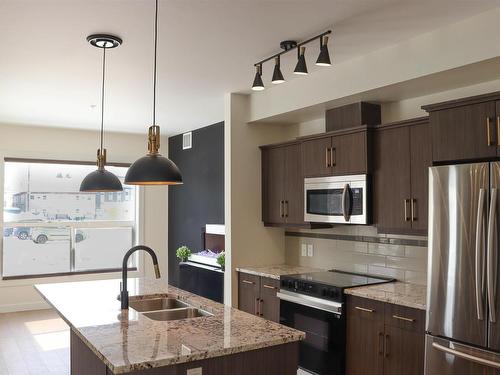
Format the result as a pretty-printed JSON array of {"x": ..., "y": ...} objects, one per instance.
[
  {"x": 257, "y": 296},
  {"x": 274, "y": 360},
  {"x": 384, "y": 339}
]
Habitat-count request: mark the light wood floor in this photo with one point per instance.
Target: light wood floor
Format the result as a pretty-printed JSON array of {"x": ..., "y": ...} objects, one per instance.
[{"x": 33, "y": 343}]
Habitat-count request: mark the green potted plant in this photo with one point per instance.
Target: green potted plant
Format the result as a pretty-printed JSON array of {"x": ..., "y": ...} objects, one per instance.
[
  {"x": 221, "y": 260},
  {"x": 183, "y": 253}
]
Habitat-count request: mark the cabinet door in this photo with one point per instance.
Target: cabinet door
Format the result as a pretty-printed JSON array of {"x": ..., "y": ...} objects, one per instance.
[
  {"x": 365, "y": 333},
  {"x": 273, "y": 177},
  {"x": 316, "y": 157},
  {"x": 294, "y": 186},
  {"x": 269, "y": 303},
  {"x": 392, "y": 191},
  {"x": 349, "y": 154},
  {"x": 404, "y": 340},
  {"x": 248, "y": 293},
  {"x": 464, "y": 133},
  {"x": 421, "y": 160}
]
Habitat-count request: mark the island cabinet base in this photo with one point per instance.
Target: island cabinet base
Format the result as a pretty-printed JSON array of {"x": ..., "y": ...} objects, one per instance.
[{"x": 274, "y": 360}]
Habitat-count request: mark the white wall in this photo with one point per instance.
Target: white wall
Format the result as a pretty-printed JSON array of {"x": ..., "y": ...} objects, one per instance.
[{"x": 66, "y": 144}]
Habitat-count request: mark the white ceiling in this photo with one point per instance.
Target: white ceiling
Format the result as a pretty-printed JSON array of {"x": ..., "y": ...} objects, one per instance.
[{"x": 50, "y": 76}]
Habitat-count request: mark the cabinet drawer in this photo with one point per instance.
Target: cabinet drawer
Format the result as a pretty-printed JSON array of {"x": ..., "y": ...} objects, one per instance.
[
  {"x": 365, "y": 308},
  {"x": 404, "y": 318},
  {"x": 249, "y": 280},
  {"x": 269, "y": 286}
]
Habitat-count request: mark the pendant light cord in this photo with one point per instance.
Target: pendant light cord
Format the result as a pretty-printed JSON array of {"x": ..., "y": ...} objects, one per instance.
[
  {"x": 102, "y": 95},
  {"x": 154, "y": 66}
]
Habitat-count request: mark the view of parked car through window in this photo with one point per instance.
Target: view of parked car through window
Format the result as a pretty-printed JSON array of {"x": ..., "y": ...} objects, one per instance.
[{"x": 50, "y": 227}]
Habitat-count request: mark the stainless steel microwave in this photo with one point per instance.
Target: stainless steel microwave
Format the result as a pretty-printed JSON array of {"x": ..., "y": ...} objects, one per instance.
[{"x": 336, "y": 199}]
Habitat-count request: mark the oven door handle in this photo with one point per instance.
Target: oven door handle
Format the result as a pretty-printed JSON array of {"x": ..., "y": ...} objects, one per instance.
[{"x": 313, "y": 302}]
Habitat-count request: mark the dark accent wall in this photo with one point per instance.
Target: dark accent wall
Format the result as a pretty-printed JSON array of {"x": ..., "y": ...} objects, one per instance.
[{"x": 200, "y": 200}]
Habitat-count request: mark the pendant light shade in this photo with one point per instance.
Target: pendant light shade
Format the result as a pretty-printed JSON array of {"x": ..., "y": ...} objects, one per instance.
[
  {"x": 258, "y": 85},
  {"x": 324, "y": 55},
  {"x": 277, "y": 75},
  {"x": 102, "y": 180},
  {"x": 301, "y": 67},
  {"x": 154, "y": 169}
]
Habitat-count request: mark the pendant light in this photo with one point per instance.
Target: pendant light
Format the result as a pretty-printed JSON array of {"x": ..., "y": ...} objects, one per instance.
[
  {"x": 301, "y": 67},
  {"x": 324, "y": 55},
  {"x": 101, "y": 179},
  {"x": 154, "y": 169},
  {"x": 277, "y": 75},
  {"x": 258, "y": 85}
]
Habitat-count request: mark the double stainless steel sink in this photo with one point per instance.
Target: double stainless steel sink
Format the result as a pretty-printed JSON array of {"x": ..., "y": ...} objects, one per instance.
[{"x": 165, "y": 309}]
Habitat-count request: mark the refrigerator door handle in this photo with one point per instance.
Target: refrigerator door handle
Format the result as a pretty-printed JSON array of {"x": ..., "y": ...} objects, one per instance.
[
  {"x": 479, "y": 269},
  {"x": 490, "y": 261},
  {"x": 466, "y": 356}
]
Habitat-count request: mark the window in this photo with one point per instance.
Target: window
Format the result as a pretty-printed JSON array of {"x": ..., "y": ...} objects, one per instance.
[{"x": 50, "y": 227}]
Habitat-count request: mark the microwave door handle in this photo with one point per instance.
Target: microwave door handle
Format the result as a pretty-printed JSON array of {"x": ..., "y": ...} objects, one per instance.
[{"x": 346, "y": 202}]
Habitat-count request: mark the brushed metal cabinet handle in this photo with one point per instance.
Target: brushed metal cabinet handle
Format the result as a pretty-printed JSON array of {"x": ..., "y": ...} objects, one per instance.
[
  {"x": 281, "y": 208},
  {"x": 261, "y": 301},
  {"x": 247, "y": 282},
  {"x": 257, "y": 307},
  {"x": 403, "y": 318},
  {"x": 387, "y": 341},
  {"x": 327, "y": 158},
  {"x": 488, "y": 131},
  {"x": 413, "y": 210},
  {"x": 406, "y": 202},
  {"x": 333, "y": 157},
  {"x": 380, "y": 343},
  {"x": 286, "y": 208},
  {"x": 269, "y": 287},
  {"x": 363, "y": 309},
  {"x": 498, "y": 130}
]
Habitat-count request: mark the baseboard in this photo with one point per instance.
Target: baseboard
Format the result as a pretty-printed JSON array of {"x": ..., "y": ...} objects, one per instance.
[{"x": 15, "y": 307}]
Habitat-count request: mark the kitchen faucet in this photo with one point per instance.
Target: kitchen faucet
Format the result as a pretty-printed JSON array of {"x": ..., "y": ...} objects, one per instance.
[{"x": 123, "y": 288}]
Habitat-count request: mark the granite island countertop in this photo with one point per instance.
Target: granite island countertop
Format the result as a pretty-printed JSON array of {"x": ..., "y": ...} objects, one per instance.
[
  {"x": 126, "y": 340},
  {"x": 398, "y": 293},
  {"x": 277, "y": 270}
]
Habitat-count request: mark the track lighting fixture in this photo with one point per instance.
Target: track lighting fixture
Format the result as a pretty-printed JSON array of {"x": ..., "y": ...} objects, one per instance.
[
  {"x": 324, "y": 55},
  {"x": 277, "y": 75},
  {"x": 258, "y": 85},
  {"x": 301, "y": 67}
]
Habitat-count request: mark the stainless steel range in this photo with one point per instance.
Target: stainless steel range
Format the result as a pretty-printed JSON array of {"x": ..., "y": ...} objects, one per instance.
[{"x": 314, "y": 303}]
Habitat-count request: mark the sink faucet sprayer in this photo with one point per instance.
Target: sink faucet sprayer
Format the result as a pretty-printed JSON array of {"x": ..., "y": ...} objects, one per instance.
[{"x": 124, "y": 291}]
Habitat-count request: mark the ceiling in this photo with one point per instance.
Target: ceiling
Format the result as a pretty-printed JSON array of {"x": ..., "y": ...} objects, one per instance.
[{"x": 50, "y": 76}]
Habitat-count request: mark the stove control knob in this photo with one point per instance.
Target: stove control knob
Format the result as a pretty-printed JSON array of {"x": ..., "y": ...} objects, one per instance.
[
  {"x": 324, "y": 292},
  {"x": 333, "y": 293}
]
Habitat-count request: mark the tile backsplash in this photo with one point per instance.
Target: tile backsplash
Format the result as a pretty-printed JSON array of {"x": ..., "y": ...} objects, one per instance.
[{"x": 361, "y": 249}]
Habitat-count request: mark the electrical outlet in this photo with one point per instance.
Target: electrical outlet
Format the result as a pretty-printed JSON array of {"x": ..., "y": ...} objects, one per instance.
[
  {"x": 304, "y": 250},
  {"x": 310, "y": 250},
  {"x": 194, "y": 371}
]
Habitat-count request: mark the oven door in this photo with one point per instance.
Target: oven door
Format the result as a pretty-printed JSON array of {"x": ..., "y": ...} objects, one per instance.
[
  {"x": 323, "y": 350},
  {"x": 339, "y": 200}
]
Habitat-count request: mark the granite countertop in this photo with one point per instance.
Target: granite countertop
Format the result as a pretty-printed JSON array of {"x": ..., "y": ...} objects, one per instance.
[
  {"x": 127, "y": 341},
  {"x": 398, "y": 293},
  {"x": 276, "y": 271}
]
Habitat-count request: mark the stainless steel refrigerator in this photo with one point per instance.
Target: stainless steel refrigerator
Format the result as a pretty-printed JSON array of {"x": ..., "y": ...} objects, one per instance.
[{"x": 463, "y": 312}]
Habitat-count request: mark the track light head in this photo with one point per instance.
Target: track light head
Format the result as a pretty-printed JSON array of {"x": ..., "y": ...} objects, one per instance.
[
  {"x": 324, "y": 55},
  {"x": 277, "y": 75},
  {"x": 301, "y": 67},
  {"x": 258, "y": 85}
]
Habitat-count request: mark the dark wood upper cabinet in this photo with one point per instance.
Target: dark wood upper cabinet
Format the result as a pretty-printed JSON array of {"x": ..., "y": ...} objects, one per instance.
[
  {"x": 402, "y": 156},
  {"x": 465, "y": 129},
  {"x": 384, "y": 339},
  {"x": 316, "y": 158},
  {"x": 336, "y": 153},
  {"x": 282, "y": 185},
  {"x": 352, "y": 115}
]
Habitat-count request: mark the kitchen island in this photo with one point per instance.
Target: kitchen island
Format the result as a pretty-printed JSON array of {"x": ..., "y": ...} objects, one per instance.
[{"x": 221, "y": 340}]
